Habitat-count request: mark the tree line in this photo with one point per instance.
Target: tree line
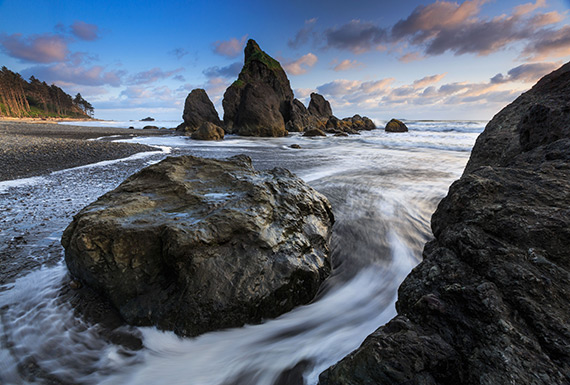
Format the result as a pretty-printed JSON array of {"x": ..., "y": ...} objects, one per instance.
[{"x": 20, "y": 98}]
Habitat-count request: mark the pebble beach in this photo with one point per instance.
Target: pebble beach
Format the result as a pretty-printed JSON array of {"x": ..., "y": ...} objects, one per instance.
[{"x": 35, "y": 148}]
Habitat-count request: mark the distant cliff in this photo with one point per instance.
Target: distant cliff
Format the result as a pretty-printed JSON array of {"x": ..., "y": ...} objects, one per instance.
[{"x": 35, "y": 99}]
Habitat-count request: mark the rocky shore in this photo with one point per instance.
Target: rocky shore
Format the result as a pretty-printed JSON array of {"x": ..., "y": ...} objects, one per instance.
[
  {"x": 31, "y": 149},
  {"x": 489, "y": 302}
]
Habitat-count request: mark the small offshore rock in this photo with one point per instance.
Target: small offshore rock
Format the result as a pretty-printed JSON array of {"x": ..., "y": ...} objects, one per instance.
[
  {"x": 208, "y": 131},
  {"x": 150, "y": 128},
  {"x": 295, "y": 146},
  {"x": 396, "y": 125},
  {"x": 314, "y": 132},
  {"x": 147, "y": 119}
]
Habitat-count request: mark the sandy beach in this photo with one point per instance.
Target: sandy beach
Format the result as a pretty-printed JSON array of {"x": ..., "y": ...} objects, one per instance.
[{"x": 32, "y": 148}]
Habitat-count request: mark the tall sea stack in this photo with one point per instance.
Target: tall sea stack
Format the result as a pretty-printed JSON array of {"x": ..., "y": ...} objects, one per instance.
[
  {"x": 258, "y": 102},
  {"x": 489, "y": 302}
]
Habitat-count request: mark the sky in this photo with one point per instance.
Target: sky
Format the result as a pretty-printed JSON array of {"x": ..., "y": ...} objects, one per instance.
[{"x": 408, "y": 59}]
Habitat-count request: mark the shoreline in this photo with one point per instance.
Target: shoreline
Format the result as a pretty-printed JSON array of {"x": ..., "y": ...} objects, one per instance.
[{"x": 29, "y": 149}]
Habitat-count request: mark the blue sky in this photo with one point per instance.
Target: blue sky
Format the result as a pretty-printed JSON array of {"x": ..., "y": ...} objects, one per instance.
[{"x": 407, "y": 59}]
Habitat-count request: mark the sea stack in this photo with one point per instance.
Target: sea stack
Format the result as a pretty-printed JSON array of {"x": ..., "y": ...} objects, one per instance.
[
  {"x": 489, "y": 302},
  {"x": 198, "y": 109},
  {"x": 258, "y": 102}
]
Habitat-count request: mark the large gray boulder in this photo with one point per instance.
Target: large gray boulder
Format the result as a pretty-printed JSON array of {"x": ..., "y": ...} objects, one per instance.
[
  {"x": 489, "y": 302},
  {"x": 194, "y": 245},
  {"x": 198, "y": 109}
]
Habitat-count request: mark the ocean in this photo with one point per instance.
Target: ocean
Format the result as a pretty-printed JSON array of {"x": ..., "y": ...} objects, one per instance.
[{"x": 383, "y": 188}]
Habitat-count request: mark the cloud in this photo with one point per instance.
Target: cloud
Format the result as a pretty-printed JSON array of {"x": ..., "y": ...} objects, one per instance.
[
  {"x": 85, "y": 31},
  {"x": 427, "y": 81},
  {"x": 355, "y": 36},
  {"x": 230, "y": 48},
  {"x": 180, "y": 78},
  {"x": 524, "y": 9},
  {"x": 304, "y": 34},
  {"x": 301, "y": 65},
  {"x": 179, "y": 53},
  {"x": 447, "y": 26},
  {"x": 410, "y": 57},
  {"x": 46, "y": 48},
  {"x": 528, "y": 73},
  {"x": 549, "y": 43},
  {"x": 426, "y": 21},
  {"x": 346, "y": 65},
  {"x": 72, "y": 74},
  {"x": 152, "y": 76},
  {"x": 230, "y": 71}
]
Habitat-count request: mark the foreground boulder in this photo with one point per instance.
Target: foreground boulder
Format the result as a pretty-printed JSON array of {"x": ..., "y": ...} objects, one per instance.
[
  {"x": 396, "y": 125},
  {"x": 489, "y": 302},
  {"x": 198, "y": 109},
  {"x": 194, "y": 245}
]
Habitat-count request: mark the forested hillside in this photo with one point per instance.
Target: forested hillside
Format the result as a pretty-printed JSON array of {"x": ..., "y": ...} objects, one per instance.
[{"x": 36, "y": 99}]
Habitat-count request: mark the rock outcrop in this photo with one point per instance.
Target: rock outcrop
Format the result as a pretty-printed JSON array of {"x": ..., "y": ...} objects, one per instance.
[
  {"x": 396, "y": 125},
  {"x": 198, "y": 109},
  {"x": 208, "y": 131},
  {"x": 258, "y": 102},
  {"x": 489, "y": 302},
  {"x": 319, "y": 106},
  {"x": 194, "y": 245},
  {"x": 261, "y": 103},
  {"x": 314, "y": 132}
]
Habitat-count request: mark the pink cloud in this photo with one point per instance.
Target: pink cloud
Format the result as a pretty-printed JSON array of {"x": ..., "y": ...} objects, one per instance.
[
  {"x": 85, "y": 31},
  {"x": 230, "y": 48},
  {"x": 410, "y": 57},
  {"x": 346, "y": 65},
  {"x": 301, "y": 65},
  {"x": 72, "y": 74},
  {"x": 46, "y": 48}
]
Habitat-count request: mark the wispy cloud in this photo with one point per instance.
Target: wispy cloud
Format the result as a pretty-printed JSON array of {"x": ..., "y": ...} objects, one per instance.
[
  {"x": 448, "y": 26},
  {"x": 345, "y": 65},
  {"x": 230, "y": 71},
  {"x": 301, "y": 65},
  {"x": 85, "y": 31},
  {"x": 178, "y": 53},
  {"x": 72, "y": 74},
  {"x": 230, "y": 48},
  {"x": 304, "y": 34},
  {"x": 356, "y": 36},
  {"x": 152, "y": 75},
  {"x": 528, "y": 73},
  {"x": 46, "y": 48}
]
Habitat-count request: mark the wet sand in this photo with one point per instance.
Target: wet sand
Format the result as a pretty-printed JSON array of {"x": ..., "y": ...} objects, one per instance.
[{"x": 31, "y": 149}]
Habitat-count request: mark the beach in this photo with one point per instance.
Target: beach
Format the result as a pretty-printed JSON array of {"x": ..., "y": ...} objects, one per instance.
[{"x": 30, "y": 148}]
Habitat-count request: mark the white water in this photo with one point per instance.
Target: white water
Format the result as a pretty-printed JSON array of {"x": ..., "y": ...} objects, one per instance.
[{"x": 383, "y": 188}]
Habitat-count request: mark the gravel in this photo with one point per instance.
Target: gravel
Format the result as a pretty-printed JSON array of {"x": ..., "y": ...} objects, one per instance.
[{"x": 32, "y": 149}]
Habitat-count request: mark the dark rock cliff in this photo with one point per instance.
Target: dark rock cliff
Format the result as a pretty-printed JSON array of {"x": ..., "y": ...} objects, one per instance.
[{"x": 489, "y": 302}]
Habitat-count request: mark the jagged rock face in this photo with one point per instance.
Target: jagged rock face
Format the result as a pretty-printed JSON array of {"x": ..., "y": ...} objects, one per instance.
[
  {"x": 396, "y": 125},
  {"x": 261, "y": 78},
  {"x": 208, "y": 131},
  {"x": 314, "y": 132},
  {"x": 496, "y": 147},
  {"x": 319, "y": 106},
  {"x": 194, "y": 245},
  {"x": 489, "y": 302},
  {"x": 198, "y": 109}
]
